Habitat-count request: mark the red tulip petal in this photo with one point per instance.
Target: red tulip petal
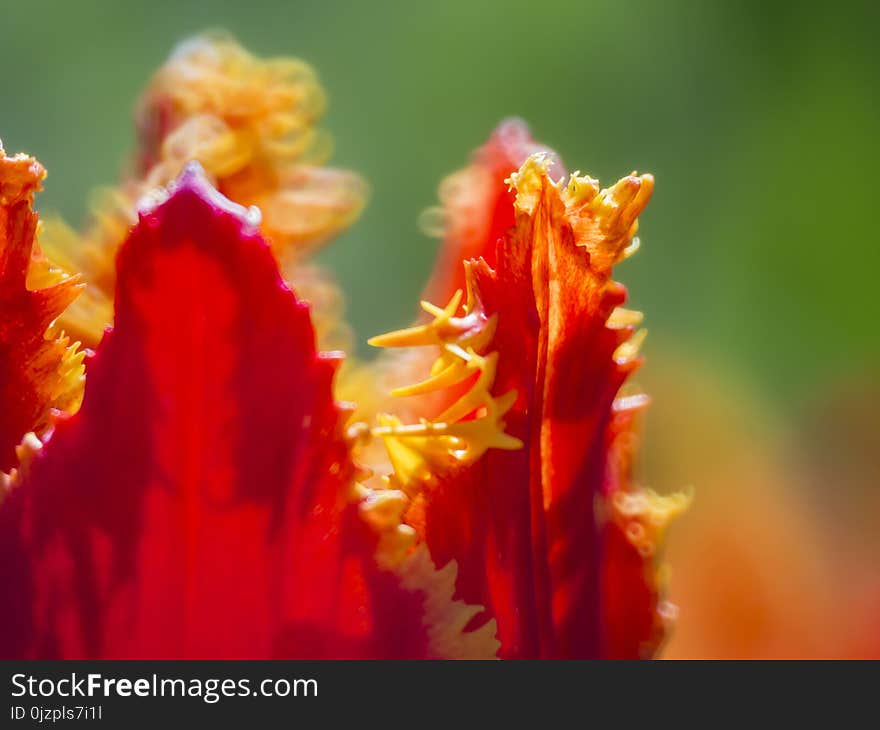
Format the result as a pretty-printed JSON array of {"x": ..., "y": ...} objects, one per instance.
[
  {"x": 200, "y": 503},
  {"x": 478, "y": 205},
  {"x": 477, "y": 210},
  {"x": 554, "y": 539},
  {"x": 39, "y": 369}
]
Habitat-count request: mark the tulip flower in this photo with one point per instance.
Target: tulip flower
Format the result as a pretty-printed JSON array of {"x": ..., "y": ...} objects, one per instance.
[{"x": 191, "y": 484}]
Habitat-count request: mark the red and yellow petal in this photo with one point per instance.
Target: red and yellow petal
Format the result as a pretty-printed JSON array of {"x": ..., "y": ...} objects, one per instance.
[
  {"x": 476, "y": 210},
  {"x": 554, "y": 539},
  {"x": 477, "y": 206},
  {"x": 41, "y": 371}
]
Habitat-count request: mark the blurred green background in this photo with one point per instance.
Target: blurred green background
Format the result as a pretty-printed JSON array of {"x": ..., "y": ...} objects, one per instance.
[
  {"x": 759, "y": 121},
  {"x": 757, "y": 273}
]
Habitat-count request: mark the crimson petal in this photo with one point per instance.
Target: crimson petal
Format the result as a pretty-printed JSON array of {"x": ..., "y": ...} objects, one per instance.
[{"x": 199, "y": 504}]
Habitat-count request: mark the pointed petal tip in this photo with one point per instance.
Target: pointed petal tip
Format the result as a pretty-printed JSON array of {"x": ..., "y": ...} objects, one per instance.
[{"x": 193, "y": 181}]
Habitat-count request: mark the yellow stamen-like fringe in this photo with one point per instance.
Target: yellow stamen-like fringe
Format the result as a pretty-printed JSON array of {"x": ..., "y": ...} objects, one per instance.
[
  {"x": 604, "y": 221},
  {"x": 419, "y": 452}
]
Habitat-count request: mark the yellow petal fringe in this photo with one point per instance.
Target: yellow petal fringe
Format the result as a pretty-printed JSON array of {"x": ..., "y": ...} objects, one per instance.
[
  {"x": 445, "y": 618},
  {"x": 252, "y": 124},
  {"x": 420, "y": 453},
  {"x": 56, "y": 362}
]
